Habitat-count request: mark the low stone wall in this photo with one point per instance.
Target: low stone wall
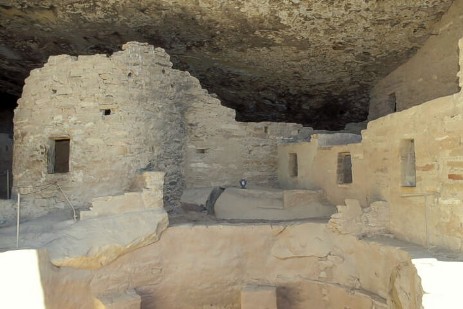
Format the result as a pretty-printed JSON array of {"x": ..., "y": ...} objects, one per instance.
[{"x": 197, "y": 266}]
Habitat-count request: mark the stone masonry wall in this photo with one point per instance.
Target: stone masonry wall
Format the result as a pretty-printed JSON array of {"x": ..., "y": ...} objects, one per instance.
[
  {"x": 429, "y": 74},
  {"x": 131, "y": 112},
  {"x": 221, "y": 151},
  {"x": 68, "y": 97},
  {"x": 429, "y": 211}
]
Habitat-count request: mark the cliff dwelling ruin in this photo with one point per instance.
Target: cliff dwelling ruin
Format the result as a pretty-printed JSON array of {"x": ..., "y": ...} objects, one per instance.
[{"x": 247, "y": 154}]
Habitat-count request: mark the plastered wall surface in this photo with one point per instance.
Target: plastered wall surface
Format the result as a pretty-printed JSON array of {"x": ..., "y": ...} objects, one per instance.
[
  {"x": 429, "y": 213},
  {"x": 429, "y": 74},
  {"x": 126, "y": 113}
]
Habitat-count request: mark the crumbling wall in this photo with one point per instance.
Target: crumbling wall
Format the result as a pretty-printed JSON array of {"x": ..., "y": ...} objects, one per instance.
[
  {"x": 122, "y": 114},
  {"x": 220, "y": 151},
  {"x": 429, "y": 74},
  {"x": 126, "y": 113},
  {"x": 426, "y": 204},
  {"x": 412, "y": 159}
]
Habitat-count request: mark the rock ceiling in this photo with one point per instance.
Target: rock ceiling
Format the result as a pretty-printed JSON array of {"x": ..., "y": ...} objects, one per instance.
[{"x": 306, "y": 61}]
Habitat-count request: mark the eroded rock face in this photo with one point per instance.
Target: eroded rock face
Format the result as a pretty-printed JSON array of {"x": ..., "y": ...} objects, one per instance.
[{"x": 311, "y": 62}]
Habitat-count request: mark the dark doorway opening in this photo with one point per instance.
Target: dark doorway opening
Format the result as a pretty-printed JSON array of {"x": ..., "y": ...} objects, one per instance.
[
  {"x": 392, "y": 101},
  {"x": 344, "y": 170},
  {"x": 7, "y": 106},
  {"x": 58, "y": 156},
  {"x": 293, "y": 165}
]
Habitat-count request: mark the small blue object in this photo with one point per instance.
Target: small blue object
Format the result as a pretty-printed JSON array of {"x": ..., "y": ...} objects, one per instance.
[{"x": 243, "y": 183}]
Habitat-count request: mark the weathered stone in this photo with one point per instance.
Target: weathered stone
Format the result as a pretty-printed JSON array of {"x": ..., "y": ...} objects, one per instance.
[{"x": 96, "y": 242}]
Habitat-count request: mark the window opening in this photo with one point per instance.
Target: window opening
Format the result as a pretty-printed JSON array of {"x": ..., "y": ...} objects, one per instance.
[
  {"x": 344, "y": 168},
  {"x": 58, "y": 156},
  {"x": 393, "y": 102},
  {"x": 407, "y": 162},
  {"x": 106, "y": 112},
  {"x": 292, "y": 165}
]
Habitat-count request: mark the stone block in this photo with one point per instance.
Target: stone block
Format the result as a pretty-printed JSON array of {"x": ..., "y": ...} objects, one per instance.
[
  {"x": 259, "y": 297},
  {"x": 93, "y": 243},
  {"x": 297, "y": 198}
]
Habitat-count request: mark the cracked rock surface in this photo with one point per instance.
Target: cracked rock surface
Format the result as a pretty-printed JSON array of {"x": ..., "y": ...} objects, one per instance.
[{"x": 311, "y": 62}]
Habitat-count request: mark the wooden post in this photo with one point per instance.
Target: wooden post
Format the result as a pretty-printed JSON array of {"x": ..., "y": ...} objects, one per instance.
[{"x": 17, "y": 222}]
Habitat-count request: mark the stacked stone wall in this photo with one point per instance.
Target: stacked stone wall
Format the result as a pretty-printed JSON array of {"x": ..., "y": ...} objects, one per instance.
[
  {"x": 127, "y": 113},
  {"x": 221, "y": 151},
  {"x": 119, "y": 113}
]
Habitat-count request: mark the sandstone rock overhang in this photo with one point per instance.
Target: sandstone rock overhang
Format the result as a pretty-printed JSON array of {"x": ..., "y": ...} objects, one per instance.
[{"x": 311, "y": 62}]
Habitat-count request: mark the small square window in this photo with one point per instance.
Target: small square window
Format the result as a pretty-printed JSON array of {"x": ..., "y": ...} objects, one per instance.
[{"x": 106, "y": 112}]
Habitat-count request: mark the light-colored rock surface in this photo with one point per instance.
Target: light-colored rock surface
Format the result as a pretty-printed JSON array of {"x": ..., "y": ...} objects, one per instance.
[
  {"x": 265, "y": 204},
  {"x": 311, "y": 266},
  {"x": 93, "y": 243},
  {"x": 263, "y": 297}
]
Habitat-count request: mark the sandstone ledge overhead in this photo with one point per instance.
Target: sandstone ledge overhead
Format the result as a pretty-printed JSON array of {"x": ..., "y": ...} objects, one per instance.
[{"x": 311, "y": 62}]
